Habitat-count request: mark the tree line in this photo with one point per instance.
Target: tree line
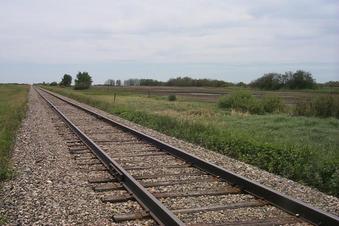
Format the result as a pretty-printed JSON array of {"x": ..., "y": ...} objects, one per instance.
[
  {"x": 83, "y": 81},
  {"x": 179, "y": 81},
  {"x": 270, "y": 81},
  {"x": 289, "y": 80}
]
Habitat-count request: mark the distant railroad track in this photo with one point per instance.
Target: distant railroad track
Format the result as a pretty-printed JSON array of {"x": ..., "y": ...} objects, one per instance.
[{"x": 172, "y": 186}]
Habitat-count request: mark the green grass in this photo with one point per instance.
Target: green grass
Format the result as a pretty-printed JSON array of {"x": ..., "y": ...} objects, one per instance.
[
  {"x": 13, "y": 99},
  {"x": 304, "y": 149},
  {"x": 3, "y": 220}
]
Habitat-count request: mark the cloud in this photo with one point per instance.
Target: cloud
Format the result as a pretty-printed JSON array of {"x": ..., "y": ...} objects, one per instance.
[{"x": 150, "y": 31}]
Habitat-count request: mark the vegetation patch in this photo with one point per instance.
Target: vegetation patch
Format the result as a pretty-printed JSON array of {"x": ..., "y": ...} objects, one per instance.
[
  {"x": 300, "y": 148},
  {"x": 322, "y": 106},
  {"x": 13, "y": 99},
  {"x": 83, "y": 81},
  {"x": 3, "y": 220},
  {"x": 172, "y": 97},
  {"x": 244, "y": 101},
  {"x": 297, "y": 80}
]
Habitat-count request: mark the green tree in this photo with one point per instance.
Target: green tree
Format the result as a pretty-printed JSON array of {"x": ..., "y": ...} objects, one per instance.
[
  {"x": 297, "y": 80},
  {"x": 66, "y": 80},
  {"x": 83, "y": 81},
  {"x": 187, "y": 81},
  {"x": 301, "y": 80},
  {"x": 270, "y": 81}
]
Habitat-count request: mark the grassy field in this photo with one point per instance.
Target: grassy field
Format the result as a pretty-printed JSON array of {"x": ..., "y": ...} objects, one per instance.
[
  {"x": 13, "y": 99},
  {"x": 304, "y": 149}
]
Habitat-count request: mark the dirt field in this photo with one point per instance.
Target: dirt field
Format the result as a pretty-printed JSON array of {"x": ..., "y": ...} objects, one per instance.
[{"x": 211, "y": 94}]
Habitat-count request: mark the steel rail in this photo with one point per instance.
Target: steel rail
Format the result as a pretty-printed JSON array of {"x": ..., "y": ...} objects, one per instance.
[
  {"x": 157, "y": 210},
  {"x": 298, "y": 208}
]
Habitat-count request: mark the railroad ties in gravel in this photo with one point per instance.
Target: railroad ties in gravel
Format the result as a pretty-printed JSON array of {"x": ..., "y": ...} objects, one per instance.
[{"x": 194, "y": 196}]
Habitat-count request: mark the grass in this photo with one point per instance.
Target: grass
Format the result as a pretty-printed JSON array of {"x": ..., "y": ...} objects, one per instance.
[
  {"x": 304, "y": 149},
  {"x": 13, "y": 99},
  {"x": 3, "y": 220}
]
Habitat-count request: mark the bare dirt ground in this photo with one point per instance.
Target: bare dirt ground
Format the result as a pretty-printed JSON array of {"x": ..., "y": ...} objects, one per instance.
[{"x": 212, "y": 94}]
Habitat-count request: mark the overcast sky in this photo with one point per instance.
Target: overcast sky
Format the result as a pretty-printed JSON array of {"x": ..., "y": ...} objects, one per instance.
[{"x": 40, "y": 40}]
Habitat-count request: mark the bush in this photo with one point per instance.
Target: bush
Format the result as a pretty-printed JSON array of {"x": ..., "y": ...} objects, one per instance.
[
  {"x": 83, "y": 81},
  {"x": 53, "y": 84},
  {"x": 172, "y": 97},
  {"x": 272, "y": 104},
  {"x": 325, "y": 106},
  {"x": 246, "y": 102},
  {"x": 336, "y": 108},
  {"x": 302, "y": 109},
  {"x": 241, "y": 101},
  {"x": 322, "y": 106},
  {"x": 224, "y": 102},
  {"x": 256, "y": 107},
  {"x": 237, "y": 100}
]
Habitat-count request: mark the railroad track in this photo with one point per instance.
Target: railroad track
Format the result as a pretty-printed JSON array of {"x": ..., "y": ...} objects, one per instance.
[{"x": 165, "y": 185}]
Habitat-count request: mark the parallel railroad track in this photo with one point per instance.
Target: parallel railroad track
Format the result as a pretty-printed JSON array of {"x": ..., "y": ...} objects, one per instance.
[{"x": 170, "y": 186}]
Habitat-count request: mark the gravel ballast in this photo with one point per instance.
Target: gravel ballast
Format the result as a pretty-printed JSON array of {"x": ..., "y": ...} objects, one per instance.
[{"x": 48, "y": 187}]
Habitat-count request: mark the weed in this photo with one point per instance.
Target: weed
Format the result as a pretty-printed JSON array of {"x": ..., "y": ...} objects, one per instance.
[
  {"x": 322, "y": 106},
  {"x": 3, "y": 220},
  {"x": 272, "y": 104},
  {"x": 172, "y": 97},
  {"x": 241, "y": 101},
  {"x": 246, "y": 102}
]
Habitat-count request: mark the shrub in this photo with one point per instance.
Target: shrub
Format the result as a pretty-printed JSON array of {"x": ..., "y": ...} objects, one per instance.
[
  {"x": 272, "y": 104},
  {"x": 256, "y": 107},
  {"x": 322, "y": 106},
  {"x": 302, "y": 108},
  {"x": 241, "y": 101},
  {"x": 53, "y": 84},
  {"x": 246, "y": 102},
  {"x": 172, "y": 97},
  {"x": 238, "y": 100},
  {"x": 336, "y": 108},
  {"x": 224, "y": 102}
]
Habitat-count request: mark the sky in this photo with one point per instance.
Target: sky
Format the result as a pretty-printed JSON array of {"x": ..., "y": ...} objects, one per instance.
[{"x": 231, "y": 40}]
